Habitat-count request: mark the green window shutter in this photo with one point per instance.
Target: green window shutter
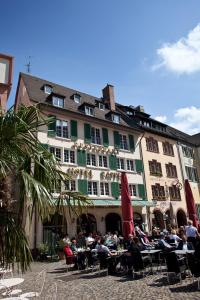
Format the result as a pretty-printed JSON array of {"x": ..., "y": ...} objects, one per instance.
[
  {"x": 115, "y": 189},
  {"x": 105, "y": 137},
  {"x": 113, "y": 162},
  {"x": 81, "y": 157},
  {"x": 116, "y": 139},
  {"x": 141, "y": 191},
  {"x": 52, "y": 126},
  {"x": 45, "y": 146},
  {"x": 139, "y": 165},
  {"x": 87, "y": 133},
  {"x": 83, "y": 186},
  {"x": 73, "y": 130},
  {"x": 131, "y": 143}
]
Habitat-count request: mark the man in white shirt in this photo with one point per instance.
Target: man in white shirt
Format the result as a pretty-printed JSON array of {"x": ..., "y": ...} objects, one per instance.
[{"x": 191, "y": 233}]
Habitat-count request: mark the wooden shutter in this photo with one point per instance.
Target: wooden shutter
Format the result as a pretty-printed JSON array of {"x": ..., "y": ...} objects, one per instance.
[
  {"x": 45, "y": 146},
  {"x": 105, "y": 137},
  {"x": 131, "y": 143},
  {"x": 87, "y": 133},
  {"x": 115, "y": 189},
  {"x": 113, "y": 162},
  {"x": 74, "y": 134},
  {"x": 81, "y": 157},
  {"x": 83, "y": 186},
  {"x": 116, "y": 139},
  {"x": 52, "y": 126},
  {"x": 139, "y": 165},
  {"x": 141, "y": 191}
]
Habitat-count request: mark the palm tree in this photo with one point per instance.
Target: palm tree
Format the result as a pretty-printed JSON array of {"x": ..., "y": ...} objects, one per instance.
[{"x": 28, "y": 171}]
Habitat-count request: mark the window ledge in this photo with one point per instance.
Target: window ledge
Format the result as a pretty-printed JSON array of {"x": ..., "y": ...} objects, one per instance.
[
  {"x": 69, "y": 164},
  {"x": 124, "y": 150},
  {"x": 172, "y": 155},
  {"x": 62, "y": 138}
]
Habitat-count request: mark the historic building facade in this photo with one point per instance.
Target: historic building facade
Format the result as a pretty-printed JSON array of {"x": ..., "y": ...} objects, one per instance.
[{"x": 94, "y": 144}]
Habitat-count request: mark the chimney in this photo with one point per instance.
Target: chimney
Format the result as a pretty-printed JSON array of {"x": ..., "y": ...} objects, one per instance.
[
  {"x": 108, "y": 96},
  {"x": 6, "y": 67}
]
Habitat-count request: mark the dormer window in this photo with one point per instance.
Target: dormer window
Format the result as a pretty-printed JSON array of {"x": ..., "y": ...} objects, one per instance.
[
  {"x": 101, "y": 106},
  {"x": 115, "y": 118},
  {"x": 58, "y": 101},
  {"x": 89, "y": 111},
  {"x": 48, "y": 89},
  {"x": 77, "y": 98}
]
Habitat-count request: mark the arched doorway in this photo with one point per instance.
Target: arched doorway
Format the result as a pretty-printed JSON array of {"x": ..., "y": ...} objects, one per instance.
[
  {"x": 158, "y": 219},
  {"x": 54, "y": 229},
  {"x": 181, "y": 218},
  {"x": 113, "y": 223},
  {"x": 137, "y": 219},
  {"x": 168, "y": 218},
  {"x": 86, "y": 223}
]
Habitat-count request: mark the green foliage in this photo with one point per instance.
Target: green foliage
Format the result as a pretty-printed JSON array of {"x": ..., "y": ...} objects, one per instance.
[{"x": 32, "y": 171}]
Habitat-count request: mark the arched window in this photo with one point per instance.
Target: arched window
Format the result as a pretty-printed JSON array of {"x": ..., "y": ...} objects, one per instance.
[
  {"x": 113, "y": 223},
  {"x": 86, "y": 223}
]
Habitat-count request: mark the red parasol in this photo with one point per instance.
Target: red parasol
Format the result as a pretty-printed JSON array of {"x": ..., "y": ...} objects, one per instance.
[
  {"x": 127, "y": 209},
  {"x": 191, "y": 204}
]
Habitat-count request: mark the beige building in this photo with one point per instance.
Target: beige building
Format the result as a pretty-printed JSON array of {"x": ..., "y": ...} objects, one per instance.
[{"x": 94, "y": 143}]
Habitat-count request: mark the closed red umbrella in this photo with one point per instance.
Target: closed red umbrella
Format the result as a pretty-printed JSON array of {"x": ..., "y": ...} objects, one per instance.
[
  {"x": 127, "y": 210},
  {"x": 191, "y": 204}
]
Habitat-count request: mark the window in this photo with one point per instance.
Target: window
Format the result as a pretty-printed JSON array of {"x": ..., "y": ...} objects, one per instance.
[
  {"x": 123, "y": 142},
  {"x": 192, "y": 174},
  {"x": 77, "y": 98},
  {"x": 91, "y": 159},
  {"x": 171, "y": 170},
  {"x": 70, "y": 185},
  {"x": 56, "y": 152},
  {"x": 95, "y": 136},
  {"x": 152, "y": 145},
  {"x": 48, "y": 89},
  {"x": 101, "y": 106},
  {"x": 155, "y": 168},
  {"x": 58, "y": 101},
  {"x": 89, "y": 111},
  {"x": 62, "y": 128},
  {"x": 103, "y": 161},
  {"x": 174, "y": 193},
  {"x": 132, "y": 190},
  {"x": 130, "y": 165},
  {"x": 69, "y": 156},
  {"x": 120, "y": 164},
  {"x": 115, "y": 118},
  {"x": 104, "y": 189},
  {"x": 92, "y": 188},
  {"x": 168, "y": 148},
  {"x": 187, "y": 152},
  {"x": 158, "y": 192}
]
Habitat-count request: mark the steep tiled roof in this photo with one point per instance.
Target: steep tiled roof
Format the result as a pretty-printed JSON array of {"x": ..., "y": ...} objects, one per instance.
[{"x": 34, "y": 86}]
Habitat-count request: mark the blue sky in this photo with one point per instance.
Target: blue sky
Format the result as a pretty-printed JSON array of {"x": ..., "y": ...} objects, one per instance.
[{"x": 142, "y": 47}]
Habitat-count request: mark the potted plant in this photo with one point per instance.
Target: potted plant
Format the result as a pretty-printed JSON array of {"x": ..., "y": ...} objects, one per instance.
[{"x": 43, "y": 251}]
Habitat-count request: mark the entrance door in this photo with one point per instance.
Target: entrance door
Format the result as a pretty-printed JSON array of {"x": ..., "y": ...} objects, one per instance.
[
  {"x": 113, "y": 223},
  {"x": 158, "y": 221},
  {"x": 86, "y": 223},
  {"x": 181, "y": 218}
]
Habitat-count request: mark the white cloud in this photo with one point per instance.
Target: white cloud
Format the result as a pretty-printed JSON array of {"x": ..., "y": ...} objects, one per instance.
[
  {"x": 161, "y": 118},
  {"x": 182, "y": 56},
  {"x": 187, "y": 119}
]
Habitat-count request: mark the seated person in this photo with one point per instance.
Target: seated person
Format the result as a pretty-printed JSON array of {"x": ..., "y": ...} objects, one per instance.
[
  {"x": 184, "y": 244},
  {"x": 173, "y": 237},
  {"x": 89, "y": 240},
  {"x": 81, "y": 240},
  {"x": 138, "y": 243},
  {"x": 162, "y": 244},
  {"x": 74, "y": 245},
  {"x": 70, "y": 257},
  {"x": 101, "y": 248}
]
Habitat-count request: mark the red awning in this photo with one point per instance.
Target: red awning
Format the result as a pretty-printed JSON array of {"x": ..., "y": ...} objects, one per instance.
[
  {"x": 191, "y": 204},
  {"x": 127, "y": 209}
]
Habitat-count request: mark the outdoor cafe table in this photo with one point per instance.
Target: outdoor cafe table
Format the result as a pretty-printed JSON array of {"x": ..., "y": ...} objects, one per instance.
[
  {"x": 151, "y": 252},
  {"x": 183, "y": 252},
  {"x": 10, "y": 282}
]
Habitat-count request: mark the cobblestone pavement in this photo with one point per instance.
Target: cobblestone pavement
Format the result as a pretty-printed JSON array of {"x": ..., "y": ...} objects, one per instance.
[{"x": 91, "y": 285}]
